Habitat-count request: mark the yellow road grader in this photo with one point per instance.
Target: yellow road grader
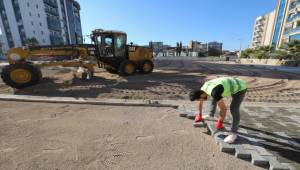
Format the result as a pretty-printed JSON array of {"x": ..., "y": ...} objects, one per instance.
[{"x": 109, "y": 50}]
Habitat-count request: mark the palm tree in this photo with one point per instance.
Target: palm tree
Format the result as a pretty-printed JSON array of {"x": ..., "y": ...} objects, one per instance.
[{"x": 293, "y": 48}]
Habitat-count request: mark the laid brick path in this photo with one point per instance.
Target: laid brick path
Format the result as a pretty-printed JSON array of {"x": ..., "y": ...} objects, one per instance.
[{"x": 269, "y": 136}]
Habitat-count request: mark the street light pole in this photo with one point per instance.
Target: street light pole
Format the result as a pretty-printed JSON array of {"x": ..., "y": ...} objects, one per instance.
[
  {"x": 207, "y": 49},
  {"x": 241, "y": 46}
]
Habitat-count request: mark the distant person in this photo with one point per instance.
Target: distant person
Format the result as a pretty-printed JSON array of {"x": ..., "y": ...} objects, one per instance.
[{"x": 218, "y": 89}]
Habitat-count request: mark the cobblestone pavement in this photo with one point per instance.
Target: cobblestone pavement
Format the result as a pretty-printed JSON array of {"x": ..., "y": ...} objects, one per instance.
[
  {"x": 272, "y": 132},
  {"x": 276, "y": 128}
]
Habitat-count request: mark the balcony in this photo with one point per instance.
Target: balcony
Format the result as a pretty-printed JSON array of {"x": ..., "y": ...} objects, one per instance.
[
  {"x": 52, "y": 11},
  {"x": 258, "y": 30},
  {"x": 294, "y": 4},
  {"x": 297, "y": 16},
  {"x": 51, "y": 3},
  {"x": 287, "y": 32}
]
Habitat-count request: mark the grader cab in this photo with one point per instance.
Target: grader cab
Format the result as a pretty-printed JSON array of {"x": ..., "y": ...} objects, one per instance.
[
  {"x": 118, "y": 57},
  {"x": 109, "y": 49}
]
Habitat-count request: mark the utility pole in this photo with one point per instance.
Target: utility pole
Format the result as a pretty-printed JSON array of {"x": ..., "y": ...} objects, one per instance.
[{"x": 207, "y": 49}]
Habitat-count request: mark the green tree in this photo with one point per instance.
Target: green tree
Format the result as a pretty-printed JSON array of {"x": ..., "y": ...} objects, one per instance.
[
  {"x": 293, "y": 49},
  {"x": 247, "y": 53}
]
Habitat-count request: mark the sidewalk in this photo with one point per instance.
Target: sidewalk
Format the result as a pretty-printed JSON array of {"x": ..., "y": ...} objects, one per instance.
[
  {"x": 273, "y": 132},
  {"x": 277, "y": 68}
]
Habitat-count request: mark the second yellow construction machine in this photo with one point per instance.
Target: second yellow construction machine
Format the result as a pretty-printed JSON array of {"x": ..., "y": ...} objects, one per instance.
[{"x": 109, "y": 50}]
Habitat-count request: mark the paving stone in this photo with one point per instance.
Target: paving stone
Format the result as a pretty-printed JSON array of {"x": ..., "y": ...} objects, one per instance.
[
  {"x": 191, "y": 116},
  {"x": 264, "y": 132},
  {"x": 199, "y": 124},
  {"x": 258, "y": 160},
  {"x": 211, "y": 127},
  {"x": 225, "y": 147},
  {"x": 249, "y": 147},
  {"x": 219, "y": 136},
  {"x": 241, "y": 153},
  {"x": 262, "y": 151},
  {"x": 242, "y": 130},
  {"x": 274, "y": 164}
]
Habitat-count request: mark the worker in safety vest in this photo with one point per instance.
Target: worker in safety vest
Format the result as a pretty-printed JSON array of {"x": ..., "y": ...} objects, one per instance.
[{"x": 218, "y": 89}]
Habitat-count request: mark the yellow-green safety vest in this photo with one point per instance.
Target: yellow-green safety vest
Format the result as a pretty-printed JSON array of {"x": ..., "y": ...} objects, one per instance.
[{"x": 231, "y": 85}]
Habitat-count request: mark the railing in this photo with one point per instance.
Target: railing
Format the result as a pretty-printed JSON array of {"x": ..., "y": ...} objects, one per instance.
[
  {"x": 292, "y": 31},
  {"x": 52, "y": 11},
  {"x": 293, "y": 17},
  {"x": 51, "y": 3},
  {"x": 294, "y": 4}
]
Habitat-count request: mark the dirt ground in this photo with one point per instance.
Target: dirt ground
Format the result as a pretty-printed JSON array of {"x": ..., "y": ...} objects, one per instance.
[
  {"x": 64, "y": 136},
  {"x": 84, "y": 137},
  {"x": 172, "y": 79}
]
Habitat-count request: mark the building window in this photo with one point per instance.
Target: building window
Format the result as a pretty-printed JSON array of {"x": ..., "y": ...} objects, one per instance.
[
  {"x": 44, "y": 41},
  {"x": 37, "y": 6},
  {"x": 41, "y": 24},
  {"x": 42, "y": 32},
  {"x": 39, "y": 15},
  {"x": 33, "y": 32},
  {"x": 28, "y": 4},
  {"x": 29, "y": 13},
  {"x": 32, "y": 23}
]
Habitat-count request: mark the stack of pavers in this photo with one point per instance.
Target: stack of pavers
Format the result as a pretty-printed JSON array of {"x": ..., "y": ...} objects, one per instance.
[{"x": 245, "y": 147}]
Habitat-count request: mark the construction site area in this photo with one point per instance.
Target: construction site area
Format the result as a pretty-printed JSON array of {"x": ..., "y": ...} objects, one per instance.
[{"x": 134, "y": 122}]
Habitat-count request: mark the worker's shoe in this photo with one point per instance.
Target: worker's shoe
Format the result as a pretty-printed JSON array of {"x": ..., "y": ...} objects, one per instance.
[
  {"x": 231, "y": 137},
  {"x": 219, "y": 125},
  {"x": 198, "y": 118}
]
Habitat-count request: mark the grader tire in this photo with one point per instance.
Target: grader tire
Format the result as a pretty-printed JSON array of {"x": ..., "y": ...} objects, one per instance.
[
  {"x": 146, "y": 67},
  {"x": 127, "y": 68},
  {"x": 21, "y": 75}
]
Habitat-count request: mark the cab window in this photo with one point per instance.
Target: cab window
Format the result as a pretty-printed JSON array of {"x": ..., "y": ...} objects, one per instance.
[
  {"x": 108, "y": 41},
  {"x": 120, "y": 41}
]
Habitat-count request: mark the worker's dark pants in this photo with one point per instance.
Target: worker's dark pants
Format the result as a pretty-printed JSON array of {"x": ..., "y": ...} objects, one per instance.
[{"x": 234, "y": 109}]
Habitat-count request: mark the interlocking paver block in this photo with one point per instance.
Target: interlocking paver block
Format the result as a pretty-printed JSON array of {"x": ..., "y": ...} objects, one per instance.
[
  {"x": 225, "y": 147},
  {"x": 262, "y": 151},
  {"x": 241, "y": 153},
  {"x": 199, "y": 124},
  {"x": 258, "y": 160},
  {"x": 211, "y": 127},
  {"x": 274, "y": 164},
  {"x": 191, "y": 116}
]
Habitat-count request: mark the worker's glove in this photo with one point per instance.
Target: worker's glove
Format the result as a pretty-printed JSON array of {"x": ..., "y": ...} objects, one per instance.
[{"x": 198, "y": 118}]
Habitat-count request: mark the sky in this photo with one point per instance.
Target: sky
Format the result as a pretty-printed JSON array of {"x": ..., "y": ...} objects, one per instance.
[{"x": 171, "y": 21}]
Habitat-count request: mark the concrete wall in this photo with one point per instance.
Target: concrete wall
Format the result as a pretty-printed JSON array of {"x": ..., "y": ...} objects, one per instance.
[{"x": 292, "y": 63}]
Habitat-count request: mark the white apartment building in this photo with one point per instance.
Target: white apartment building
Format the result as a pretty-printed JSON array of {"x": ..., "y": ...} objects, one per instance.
[
  {"x": 263, "y": 30},
  {"x": 50, "y": 22}
]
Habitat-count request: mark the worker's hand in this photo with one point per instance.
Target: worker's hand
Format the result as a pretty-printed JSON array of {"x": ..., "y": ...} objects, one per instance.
[{"x": 198, "y": 118}]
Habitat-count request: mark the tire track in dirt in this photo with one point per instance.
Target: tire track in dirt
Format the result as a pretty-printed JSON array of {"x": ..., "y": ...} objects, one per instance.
[{"x": 172, "y": 79}]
